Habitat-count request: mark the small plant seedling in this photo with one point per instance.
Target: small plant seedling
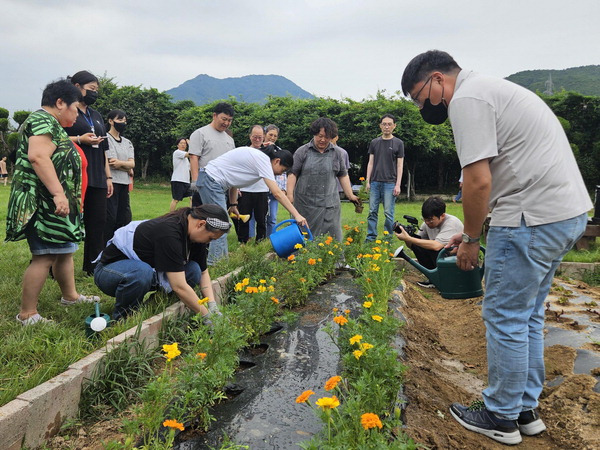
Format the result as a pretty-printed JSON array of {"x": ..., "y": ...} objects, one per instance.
[{"x": 563, "y": 300}]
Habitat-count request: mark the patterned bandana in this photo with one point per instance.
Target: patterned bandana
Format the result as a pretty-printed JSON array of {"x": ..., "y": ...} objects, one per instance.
[{"x": 218, "y": 223}]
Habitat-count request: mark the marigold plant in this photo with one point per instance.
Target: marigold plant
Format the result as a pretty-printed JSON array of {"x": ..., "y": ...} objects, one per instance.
[
  {"x": 326, "y": 403},
  {"x": 370, "y": 420},
  {"x": 332, "y": 382}
]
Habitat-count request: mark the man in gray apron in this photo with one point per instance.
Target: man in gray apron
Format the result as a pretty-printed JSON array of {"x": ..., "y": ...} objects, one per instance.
[{"x": 312, "y": 184}]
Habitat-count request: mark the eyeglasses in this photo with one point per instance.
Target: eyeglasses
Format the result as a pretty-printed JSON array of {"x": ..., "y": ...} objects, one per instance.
[
  {"x": 415, "y": 99},
  {"x": 387, "y": 124}
]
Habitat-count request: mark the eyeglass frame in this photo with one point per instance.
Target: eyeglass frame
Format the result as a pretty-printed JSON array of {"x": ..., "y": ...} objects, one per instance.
[{"x": 416, "y": 97}]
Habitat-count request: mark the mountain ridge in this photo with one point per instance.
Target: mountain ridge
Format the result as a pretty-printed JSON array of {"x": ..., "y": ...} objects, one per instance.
[{"x": 583, "y": 79}]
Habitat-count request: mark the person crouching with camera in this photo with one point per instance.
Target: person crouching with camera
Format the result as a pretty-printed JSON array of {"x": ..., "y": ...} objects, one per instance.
[{"x": 433, "y": 235}]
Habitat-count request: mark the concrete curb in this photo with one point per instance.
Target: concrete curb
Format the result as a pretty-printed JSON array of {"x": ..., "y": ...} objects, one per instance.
[{"x": 37, "y": 414}]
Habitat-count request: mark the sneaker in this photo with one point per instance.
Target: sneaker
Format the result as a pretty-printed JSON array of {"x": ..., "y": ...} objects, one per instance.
[
  {"x": 32, "y": 320},
  {"x": 530, "y": 423},
  {"x": 426, "y": 284},
  {"x": 82, "y": 299},
  {"x": 479, "y": 419}
]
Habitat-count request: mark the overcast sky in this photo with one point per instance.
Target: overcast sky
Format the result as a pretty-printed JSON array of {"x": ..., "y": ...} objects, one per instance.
[{"x": 332, "y": 48}]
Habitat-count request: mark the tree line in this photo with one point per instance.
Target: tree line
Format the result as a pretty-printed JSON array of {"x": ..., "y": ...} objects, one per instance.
[{"x": 431, "y": 163}]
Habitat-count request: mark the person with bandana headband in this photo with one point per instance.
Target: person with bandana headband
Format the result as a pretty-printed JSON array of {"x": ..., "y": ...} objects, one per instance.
[
  {"x": 89, "y": 133},
  {"x": 167, "y": 253},
  {"x": 518, "y": 163},
  {"x": 121, "y": 162}
]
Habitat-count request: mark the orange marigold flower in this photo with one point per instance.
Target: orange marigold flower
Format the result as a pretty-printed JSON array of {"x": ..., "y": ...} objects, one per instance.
[
  {"x": 335, "y": 310},
  {"x": 304, "y": 396},
  {"x": 361, "y": 179},
  {"x": 302, "y": 280},
  {"x": 173, "y": 424},
  {"x": 312, "y": 261},
  {"x": 201, "y": 355},
  {"x": 377, "y": 318},
  {"x": 370, "y": 295},
  {"x": 328, "y": 402},
  {"x": 346, "y": 311},
  {"x": 291, "y": 257},
  {"x": 349, "y": 239},
  {"x": 275, "y": 300},
  {"x": 251, "y": 290},
  {"x": 332, "y": 383},
  {"x": 340, "y": 320},
  {"x": 370, "y": 420}
]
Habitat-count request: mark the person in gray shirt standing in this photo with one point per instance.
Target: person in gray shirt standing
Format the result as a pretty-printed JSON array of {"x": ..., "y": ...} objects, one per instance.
[
  {"x": 210, "y": 142},
  {"x": 518, "y": 163},
  {"x": 384, "y": 174}
]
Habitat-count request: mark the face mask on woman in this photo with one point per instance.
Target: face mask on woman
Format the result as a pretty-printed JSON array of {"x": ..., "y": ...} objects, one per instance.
[
  {"x": 119, "y": 126},
  {"x": 90, "y": 97}
]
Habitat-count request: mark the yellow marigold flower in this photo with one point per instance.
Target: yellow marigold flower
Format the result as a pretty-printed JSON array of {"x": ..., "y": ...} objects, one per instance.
[
  {"x": 298, "y": 246},
  {"x": 302, "y": 280},
  {"x": 362, "y": 222},
  {"x": 171, "y": 351},
  {"x": 370, "y": 420},
  {"x": 370, "y": 295},
  {"x": 356, "y": 338},
  {"x": 319, "y": 260},
  {"x": 275, "y": 300},
  {"x": 262, "y": 281},
  {"x": 357, "y": 354},
  {"x": 361, "y": 179},
  {"x": 377, "y": 318},
  {"x": 376, "y": 249},
  {"x": 356, "y": 229},
  {"x": 376, "y": 256},
  {"x": 273, "y": 279},
  {"x": 330, "y": 252},
  {"x": 201, "y": 355},
  {"x": 321, "y": 244},
  {"x": 246, "y": 281},
  {"x": 291, "y": 257},
  {"x": 328, "y": 402},
  {"x": 332, "y": 382},
  {"x": 239, "y": 287},
  {"x": 312, "y": 261},
  {"x": 385, "y": 233},
  {"x": 367, "y": 304},
  {"x": 349, "y": 239},
  {"x": 304, "y": 396},
  {"x": 365, "y": 346},
  {"x": 261, "y": 288},
  {"x": 202, "y": 301},
  {"x": 173, "y": 424},
  {"x": 375, "y": 268},
  {"x": 340, "y": 320},
  {"x": 367, "y": 255},
  {"x": 378, "y": 241},
  {"x": 271, "y": 288}
]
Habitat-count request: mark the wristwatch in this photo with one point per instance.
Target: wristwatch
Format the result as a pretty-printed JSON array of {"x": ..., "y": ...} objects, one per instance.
[{"x": 468, "y": 239}]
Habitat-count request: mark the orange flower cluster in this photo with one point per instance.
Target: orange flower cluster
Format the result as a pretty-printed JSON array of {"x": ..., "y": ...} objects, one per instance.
[
  {"x": 201, "y": 355},
  {"x": 332, "y": 382},
  {"x": 370, "y": 420},
  {"x": 302, "y": 398},
  {"x": 291, "y": 257},
  {"x": 340, "y": 320},
  {"x": 312, "y": 261},
  {"x": 173, "y": 424}
]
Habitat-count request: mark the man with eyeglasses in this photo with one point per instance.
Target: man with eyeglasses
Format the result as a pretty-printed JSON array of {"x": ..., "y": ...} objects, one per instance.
[
  {"x": 436, "y": 231},
  {"x": 516, "y": 161},
  {"x": 384, "y": 174},
  {"x": 209, "y": 142}
]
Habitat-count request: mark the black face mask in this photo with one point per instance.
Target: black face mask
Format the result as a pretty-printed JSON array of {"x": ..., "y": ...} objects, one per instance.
[
  {"x": 90, "y": 97},
  {"x": 434, "y": 114},
  {"x": 119, "y": 126}
]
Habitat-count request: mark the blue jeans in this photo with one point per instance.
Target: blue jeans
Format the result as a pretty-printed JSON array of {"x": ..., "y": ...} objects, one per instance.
[
  {"x": 380, "y": 193},
  {"x": 272, "y": 216},
  {"x": 129, "y": 280},
  {"x": 212, "y": 192},
  {"x": 519, "y": 267}
]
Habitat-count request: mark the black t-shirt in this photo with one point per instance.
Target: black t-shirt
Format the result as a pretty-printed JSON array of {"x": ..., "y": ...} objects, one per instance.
[
  {"x": 95, "y": 156},
  {"x": 163, "y": 244}
]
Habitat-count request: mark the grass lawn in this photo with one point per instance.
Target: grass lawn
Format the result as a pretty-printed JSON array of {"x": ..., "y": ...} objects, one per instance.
[{"x": 31, "y": 355}]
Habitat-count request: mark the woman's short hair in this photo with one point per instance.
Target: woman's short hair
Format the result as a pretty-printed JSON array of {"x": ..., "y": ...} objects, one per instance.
[
  {"x": 116, "y": 114},
  {"x": 83, "y": 77},
  {"x": 179, "y": 140},
  {"x": 328, "y": 125},
  {"x": 62, "y": 89}
]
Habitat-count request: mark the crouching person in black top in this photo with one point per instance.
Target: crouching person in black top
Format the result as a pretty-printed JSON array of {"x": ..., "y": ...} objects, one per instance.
[{"x": 168, "y": 252}]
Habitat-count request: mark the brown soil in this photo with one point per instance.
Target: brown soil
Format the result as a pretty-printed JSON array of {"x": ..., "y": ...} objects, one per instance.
[{"x": 447, "y": 363}]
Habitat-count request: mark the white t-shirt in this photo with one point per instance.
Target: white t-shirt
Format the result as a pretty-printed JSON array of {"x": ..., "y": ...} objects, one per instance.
[
  {"x": 208, "y": 144},
  {"x": 181, "y": 167},
  {"x": 240, "y": 167},
  {"x": 449, "y": 227},
  {"x": 534, "y": 172},
  {"x": 123, "y": 151}
]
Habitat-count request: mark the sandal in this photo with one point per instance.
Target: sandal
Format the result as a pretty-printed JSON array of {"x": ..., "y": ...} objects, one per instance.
[
  {"x": 82, "y": 299},
  {"x": 32, "y": 320}
]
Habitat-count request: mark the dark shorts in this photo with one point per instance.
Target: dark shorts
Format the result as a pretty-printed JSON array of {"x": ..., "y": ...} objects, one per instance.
[
  {"x": 3, "y": 175},
  {"x": 180, "y": 190}
]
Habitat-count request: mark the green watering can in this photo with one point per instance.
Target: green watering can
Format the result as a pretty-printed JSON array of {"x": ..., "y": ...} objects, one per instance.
[
  {"x": 448, "y": 278},
  {"x": 96, "y": 322}
]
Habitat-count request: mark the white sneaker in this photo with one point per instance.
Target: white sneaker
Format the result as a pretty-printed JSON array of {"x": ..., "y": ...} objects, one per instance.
[
  {"x": 82, "y": 299},
  {"x": 32, "y": 320}
]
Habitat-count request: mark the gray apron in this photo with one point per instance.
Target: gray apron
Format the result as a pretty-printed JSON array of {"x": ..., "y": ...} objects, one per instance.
[{"x": 316, "y": 196}]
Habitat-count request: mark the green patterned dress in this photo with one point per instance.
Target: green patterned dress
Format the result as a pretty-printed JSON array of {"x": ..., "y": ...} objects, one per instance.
[{"x": 30, "y": 200}]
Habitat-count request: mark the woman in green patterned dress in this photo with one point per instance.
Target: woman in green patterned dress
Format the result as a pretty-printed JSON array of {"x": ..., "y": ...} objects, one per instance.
[{"x": 45, "y": 198}]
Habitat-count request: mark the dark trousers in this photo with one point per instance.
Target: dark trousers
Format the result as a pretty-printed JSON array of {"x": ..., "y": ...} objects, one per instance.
[
  {"x": 196, "y": 200},
  {"x": 118, "y": 210},
  {"x": 427, "y": 258},
  {"x": 94, "y": 220},
  {"x": 257, "y": 203}
]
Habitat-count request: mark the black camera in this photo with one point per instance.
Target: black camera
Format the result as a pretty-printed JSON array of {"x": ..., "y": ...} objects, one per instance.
[{"x": 411, "y": 228}]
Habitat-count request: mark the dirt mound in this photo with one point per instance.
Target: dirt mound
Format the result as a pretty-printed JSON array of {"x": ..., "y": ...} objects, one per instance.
[{"x": 446, "y": 356}]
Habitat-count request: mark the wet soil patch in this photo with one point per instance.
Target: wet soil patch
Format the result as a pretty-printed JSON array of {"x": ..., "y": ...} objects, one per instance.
[{"x": 446, "y": 356}]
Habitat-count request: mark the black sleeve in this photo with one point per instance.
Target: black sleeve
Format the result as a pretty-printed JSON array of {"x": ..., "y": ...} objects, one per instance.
[{"x": 198, "y": 253}]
